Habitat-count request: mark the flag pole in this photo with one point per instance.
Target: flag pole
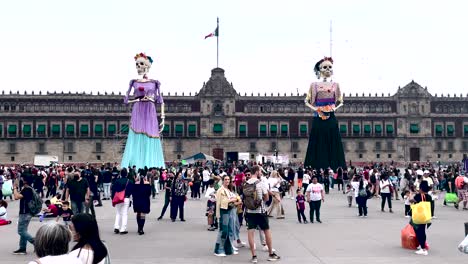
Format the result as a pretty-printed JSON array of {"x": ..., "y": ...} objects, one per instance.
[{"x": 217, "y": 43}]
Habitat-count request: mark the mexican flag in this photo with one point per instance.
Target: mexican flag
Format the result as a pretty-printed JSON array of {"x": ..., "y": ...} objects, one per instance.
[{"x": 213, "y": 34}]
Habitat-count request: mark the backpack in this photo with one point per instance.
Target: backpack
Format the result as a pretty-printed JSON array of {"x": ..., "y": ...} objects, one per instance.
[
  {"x": 35, "y": 204},
  {"x": 251, "y": 201},
  {"x": 362, "y": 192},
  {"x": 284, "y": 186}
]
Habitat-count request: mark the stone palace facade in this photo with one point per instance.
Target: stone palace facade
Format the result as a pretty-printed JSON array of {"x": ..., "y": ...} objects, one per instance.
[{"x": 411, "y": 125}]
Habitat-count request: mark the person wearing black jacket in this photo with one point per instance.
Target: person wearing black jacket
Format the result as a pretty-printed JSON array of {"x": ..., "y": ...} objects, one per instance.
[
  {"x": 178, "y": 192},
  {"x": 106, "y": 183},
  {"x": 167, "y": 194},
  {"x": 121, "y": 217},
  {"x": 420, "y": 229}
]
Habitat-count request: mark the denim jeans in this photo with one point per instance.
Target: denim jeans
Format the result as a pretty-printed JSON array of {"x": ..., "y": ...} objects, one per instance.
[
  {"x": 107, "y": 193},
  {"x": 77, "y": 207},
  {"x": 223, "y": 241},
  {"x": 23, "y": 223}
]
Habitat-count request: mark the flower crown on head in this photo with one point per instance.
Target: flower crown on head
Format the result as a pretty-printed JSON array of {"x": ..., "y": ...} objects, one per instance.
[
  {"x": 143, "y": 55},
  {"x": 328, "y": 59}
]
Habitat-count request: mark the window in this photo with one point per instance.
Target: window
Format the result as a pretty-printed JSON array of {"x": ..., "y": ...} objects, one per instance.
[
  {"x": 356, "y": 129},
  {"x": 361, "y": 145},
  {"x": 166, "y": 131},
  {"x": 367, "y": 130},
  {"x": 252, "y": 156},
  {"x": 98, "y": 147},
  {"x": 70, "y": 130},
  {"x": 12, "y": 130},
  {"x": 438, "y": 145},
  {"x": 284, "y": 130},
  {"x": 450, "y": 130},
  {"x": 12, "y": 147},
  {"x": 274, "y": 147},
  {"x": 98, "y": 131},
  {"x": 12, "y": 158},
  {"x": 450, "y": 145},
  {"x": 98, "y": 157},
  {"x": 295, "y": 156},
  {"x": 294, "y": 146},
  {"x": 263, "y": 130},
  {"x": 378, "y": 130},
  {"x": 303, "y": 130},
  {"x": 360, "y": 155},
  {"x": 84, "y": 130},
  {"x": 242, "y": 130},
  {"x": 465, "y": 130},
  {"x": 192, "y": 130},
  {"x": 41, "y": 148},
  {"x": 1, "y": 130},
  {"x": 465, "y": 145},
  {"x": 253, "y": 146},
  {"x": 41, "y": 130},
  {"x": 389, "y": 155},
  {"x": 179, "y": 130},
  {"x": 273, "y": 130},
  {"x": 218, "y": 128},
  {"x": 389, "y": 145},
  {"x": 438, "y": 156},
  {"x": 111, "y": 129},
  {"x": 27, "y": 131},
  {"x": 69, "y": 147},
  {"x": 389, "y": 129},
  {"x": 378, "y": 145},
  {"x": 124, "y": 129},
  {"x": 450, "y": 156},
  {"x": 414, "y": 128},
  {"x": 377, "y": 155},
  {"x": 179, "y": 146},
  {"x": 55, "y": 130},
  {"x": 70, "y": 157},
  {"x": 438, "y": 130}
]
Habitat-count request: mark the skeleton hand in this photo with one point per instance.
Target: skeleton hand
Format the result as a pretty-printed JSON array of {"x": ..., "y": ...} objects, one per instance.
[{"x": 161, "y": 126}]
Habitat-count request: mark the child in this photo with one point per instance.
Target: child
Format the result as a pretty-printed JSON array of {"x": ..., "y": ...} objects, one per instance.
[
  {"x": 300, "y": 206},
  {"x": 50, "y": 211},
  {"x": 211, "y": 206},
  {"x": 57, "y": 200},
  {"x": 349, "y": 194},
  {"x": 406, "y": 196},
  {"x": 3, "y": 213},
  {"x": 65, "y": 213}
]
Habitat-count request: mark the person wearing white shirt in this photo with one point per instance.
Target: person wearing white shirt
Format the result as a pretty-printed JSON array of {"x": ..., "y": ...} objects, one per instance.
[
  {"x": 315, "y": 195},
  {"x": 306, "y": 180},
  {"x": 206, "y": 176},
  {"x": 385, "y": 192}
]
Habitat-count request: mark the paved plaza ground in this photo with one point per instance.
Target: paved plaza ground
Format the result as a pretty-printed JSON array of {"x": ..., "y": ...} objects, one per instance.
[{"x": 343, "y": 238}]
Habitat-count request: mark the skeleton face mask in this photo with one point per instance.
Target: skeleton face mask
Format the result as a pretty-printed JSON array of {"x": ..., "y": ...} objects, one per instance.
[
  {"x": 142, "y": 66},
  {"x": 326, "y": 69}
]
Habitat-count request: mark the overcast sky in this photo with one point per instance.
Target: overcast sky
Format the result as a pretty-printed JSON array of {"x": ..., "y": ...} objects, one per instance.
[{"x": 265, "y": 46}]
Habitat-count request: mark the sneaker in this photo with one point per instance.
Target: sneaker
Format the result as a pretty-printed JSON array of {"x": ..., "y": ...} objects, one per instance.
[
  {"x": 319, "y": 221},
  {"x": 234, "y": 248},
  {"x": 434, "y": 217},
  {"x": 116, "y": 231},
  {"x": 220, "y": 255},
  {"x": 254, "y": 259},
  {"x": 273, "y": 257},
  {"x": 241, "y": 244},
  {"x": 407, "y": 216},
  {"x": 19, "y": 252},
  {"x": 265, "y": 248},
  {"x": 235, "y": 252},
  {"x": 421, "y": 252},
  {"x": 365, "y": 216}
]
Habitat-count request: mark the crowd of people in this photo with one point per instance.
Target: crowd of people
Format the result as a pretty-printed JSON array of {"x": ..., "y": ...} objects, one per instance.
[{"x": 236, "y": 193}]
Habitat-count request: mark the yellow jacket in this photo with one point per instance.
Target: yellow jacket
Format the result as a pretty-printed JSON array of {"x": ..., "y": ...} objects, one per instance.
[{"x": 222, "y": 200}]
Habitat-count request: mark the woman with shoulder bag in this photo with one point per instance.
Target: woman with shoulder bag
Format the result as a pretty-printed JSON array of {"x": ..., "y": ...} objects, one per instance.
[
  {"x": 420, "y": 229},
  {"x": 225, "y": 202},
  {"x": 121, "y": 192}
]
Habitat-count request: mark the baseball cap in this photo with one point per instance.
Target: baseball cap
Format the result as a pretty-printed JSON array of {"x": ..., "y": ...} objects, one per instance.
[{"x": 419, "y": 172}]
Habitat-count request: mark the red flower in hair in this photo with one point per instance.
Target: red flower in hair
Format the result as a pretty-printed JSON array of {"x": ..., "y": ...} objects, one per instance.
[{"x": 141, "y": 88}]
